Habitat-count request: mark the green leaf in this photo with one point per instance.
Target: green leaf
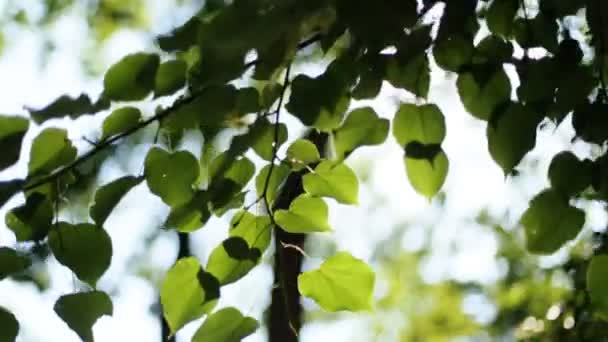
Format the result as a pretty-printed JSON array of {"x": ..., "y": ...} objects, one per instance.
[
  {"x": 236, "y": 256},
  {"x": 8, "y": 189},
  {"x": 597, "y": 278},
  {"x": 120, "y": 121},
  {"x": 278, "y": 176},
  {"x": 108, "y": 196},
  {"x": 591, "y": 123},
  {"x": 453, "y": 53},
  {"x": 302, "y": 152},
  {"x": 132, "y": 78},
  {"x": 424, "y": 124},
  {"x": 32, "y": 220},
  {"x": 343, "y": 282},
  {"x": 51, "y": 149},
  {"x": 84, "y": 248},
  {"x": 225, "y": 325},
  {"x": 482, "y": 91},
  {"x": 170, "y": 77},
  {"x": 427, "y": 175},
  {"x": 362, "y": 127},
  {"x": 493, "y": 50},
  {"x": 80, "y": 311},
  {"x": 182, "y": 37},
  {"x": 306, "y": 214},
  {"x": 68, "y": 106},
  {"x": 511, "y": 135},
  {"x": 411, "y": 74},
  {"x": 550, "y": 222},
  {"x": 11, "y": 262},
  {"x": 10, "y": 326},
  {"x": 541, "y": 31},
  {"x": 333, "y": 179},
  {"x": 187, "y": 293},
  {"x": 171, "y": 176},
  {"x": 12, "y": 130},
  {"x": 568, "y": 174},
  {"x": 264, "y": 139},
  {"x": 190, "y": 216},
  {"x": 501, "y": 15}
]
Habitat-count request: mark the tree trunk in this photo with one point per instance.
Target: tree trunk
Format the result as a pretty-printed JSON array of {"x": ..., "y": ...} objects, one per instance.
[{"x": 285, "y": 309}]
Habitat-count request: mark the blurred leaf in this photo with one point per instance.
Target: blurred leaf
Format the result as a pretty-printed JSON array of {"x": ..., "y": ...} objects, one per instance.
[
  {"x": 597, "y": 278},
  {"x": 132, "y": 78},
  {"x": 32, "y": 220},
  {"x": 306, "y": 214},
  {"x": 501, "y": 15},
  {"x": 225, "y": 325},
  {"x": 424, "y": 124},
  {"x": 453, "y": 53},
  {"x": 10, "y": 326},
  {"x": 568, "y": 174},
  {"x": 170, "y": 77},
  {"x": 191, "y": 216},
  {"x": 591, "y": 122},
  {"x": 183, "y": 296},
  {"x": 541, "y": 31},
  {"x": 109, "y": 195},
  {"x": 11, "y": 262},
  {"x": 236, "y": 256},
  {"x": 180, "y": 38},
  {"x": 333, "y": 179},
  {"x": 12, "y": 130},
  {"x": 120, "y": 121},
  {"x": 171, "y": 176},
  {"x": 512, "y": 134},
  {"x": 68, "y": 106},
  {"x": 51, "y": 149},
  {"x": 8, "y": 189},
  {"x": 341, "y": 283},
  {"x": 411, "y": 74},
  {"x": 84, "y": 248},
  {"x": 362, "y": 127},
  {"x": 550, "y": 222},
  {"x": 264, "y": 139},
  {"x": 80, "y": 311}
]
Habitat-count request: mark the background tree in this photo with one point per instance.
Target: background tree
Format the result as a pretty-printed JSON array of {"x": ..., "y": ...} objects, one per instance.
[{"x": 235, "y": 74}]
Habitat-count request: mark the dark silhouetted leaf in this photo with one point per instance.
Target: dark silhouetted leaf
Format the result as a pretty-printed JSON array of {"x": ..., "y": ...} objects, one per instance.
[
  {"x": 12, "y": 130},
  {"x": 597, "y": 277},
  {"x": 80, "y": 311},
  {"x": 568, "y": 174},
  {"x": 8, "y": 189},
  {"x": 10, "y": 326},
  {"x": 32, "y": 220},
  {"x": 69, "y": 106},
  {"x": 483, "y": 90},
  {"x": 11, "y": 262}
]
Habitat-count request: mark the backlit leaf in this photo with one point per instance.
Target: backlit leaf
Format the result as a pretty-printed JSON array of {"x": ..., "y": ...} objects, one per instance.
[
  {"x": 306, "y": 214},
  {"x": 225, "y": 325},
  {"x": 482, "y": 91},
  {"x": 278, "y": 176},
  {"x": 32, "y": 220},
  {"x": 51, "y": 149},
  {"x": 249, "y": 237},
  {"x": 427, "y": 175},
  {"x": 343, "y": 282},
  {"x": 8, "y": 189},
  {"x": 362, "y": 127},
  {"x": 424, "y": 124},
  {"x": 302, "y": 152},
  {"x": 333, "y": 179},
  {"x": 184, "y": 296},
  {"x": 171, "y": 176},
  {"x": 597, "y": 277},
  {"x": 170, "y": 77}
]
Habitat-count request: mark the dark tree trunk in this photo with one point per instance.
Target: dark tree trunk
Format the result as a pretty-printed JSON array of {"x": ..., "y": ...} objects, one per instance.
[
  {"x": 183, "y": 251},
  {"x": 286, "y": 310}
]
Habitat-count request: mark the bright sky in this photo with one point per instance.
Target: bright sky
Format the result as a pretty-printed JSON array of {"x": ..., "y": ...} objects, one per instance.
[{"x": 474, "y": 182}]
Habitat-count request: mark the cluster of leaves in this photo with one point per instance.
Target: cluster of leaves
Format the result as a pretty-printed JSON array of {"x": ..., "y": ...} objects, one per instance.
[{"x": 198, "y": 65}]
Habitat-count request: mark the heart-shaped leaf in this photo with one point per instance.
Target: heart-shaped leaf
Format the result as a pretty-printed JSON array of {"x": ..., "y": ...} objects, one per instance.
[
  {"x": 108, "y": 196},
  {"x": 306, "y": 214},
  {"x": 225, "y": 325},
  {"x": 362, "y": 127},
  {"x": 9, "y": 324},
  {"x": 423, "y": 124},
  {"x": 333, "y": 179},
  {"x": 171, "y": 176},
  {"x": 120, "y": 121},
  {"x": 80, "y": 311},
  {"x": 51, "y": 149},
  {"x": 132, "y": 78}
]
